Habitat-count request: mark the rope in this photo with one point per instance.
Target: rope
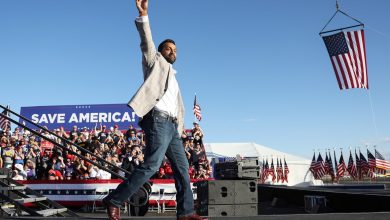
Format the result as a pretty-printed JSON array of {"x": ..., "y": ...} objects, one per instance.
[
  {"x": 338, "y": 10},
  {"x": 359, "y": 79},
  {"x": 373, "y": 114}
]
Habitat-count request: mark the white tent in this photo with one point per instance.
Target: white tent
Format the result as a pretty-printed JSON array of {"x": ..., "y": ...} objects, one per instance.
[{"x": 298, "y": 166}]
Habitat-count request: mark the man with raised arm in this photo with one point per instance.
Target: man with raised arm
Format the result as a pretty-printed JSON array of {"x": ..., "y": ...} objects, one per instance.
[{"x": 158, "y": 101}]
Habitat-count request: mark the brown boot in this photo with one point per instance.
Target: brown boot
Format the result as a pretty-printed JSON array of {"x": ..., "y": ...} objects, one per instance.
[{"x": 113, "y": 212}]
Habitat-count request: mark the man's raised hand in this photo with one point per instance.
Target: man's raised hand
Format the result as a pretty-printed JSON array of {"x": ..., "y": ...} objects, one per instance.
[{"x": 142, "y": 6}]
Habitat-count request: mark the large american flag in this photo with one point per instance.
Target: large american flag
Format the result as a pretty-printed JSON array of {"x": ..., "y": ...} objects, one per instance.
[
  {"x": 380, "y": 161},
  {"x": 4, "y": 122},
  {"x": 197, "y": 109},
  {"x": 347, "y": 53}
]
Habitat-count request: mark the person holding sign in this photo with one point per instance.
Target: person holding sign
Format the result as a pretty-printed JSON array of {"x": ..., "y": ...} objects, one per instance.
[{"x": 158, "y": 101}]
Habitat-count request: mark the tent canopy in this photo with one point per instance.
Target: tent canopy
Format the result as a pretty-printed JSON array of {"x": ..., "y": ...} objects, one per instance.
[{"x": 250, "y": 150}]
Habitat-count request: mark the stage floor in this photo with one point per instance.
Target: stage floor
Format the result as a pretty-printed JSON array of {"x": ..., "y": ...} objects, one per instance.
[{"x": 326, "y": 216}]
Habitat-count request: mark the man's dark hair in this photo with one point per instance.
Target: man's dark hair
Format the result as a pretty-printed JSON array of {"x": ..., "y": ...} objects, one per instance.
[{"x": 161, "y": 46}]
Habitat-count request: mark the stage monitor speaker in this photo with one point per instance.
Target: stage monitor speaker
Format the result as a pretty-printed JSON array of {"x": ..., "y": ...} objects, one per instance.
[{"x": 231, "y": 192}]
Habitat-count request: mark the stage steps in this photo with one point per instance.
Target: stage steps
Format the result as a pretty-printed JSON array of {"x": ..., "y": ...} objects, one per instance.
[{"x": 18, "y": 200}]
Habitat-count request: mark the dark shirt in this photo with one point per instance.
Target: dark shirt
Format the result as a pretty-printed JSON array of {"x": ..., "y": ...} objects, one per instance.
[
  {"x": 128, "y": 165},
  {"x": 128, "y": 132},
  {"x": 102, "y": 136},
  {"x": 73, "y": 134}
]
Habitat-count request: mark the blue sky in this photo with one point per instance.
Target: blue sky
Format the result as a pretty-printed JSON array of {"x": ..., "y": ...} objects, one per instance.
[{"x": 259, "y": 68}]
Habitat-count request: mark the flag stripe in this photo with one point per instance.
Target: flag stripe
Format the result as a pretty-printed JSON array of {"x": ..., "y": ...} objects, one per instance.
[
  {"x": 354, "y": 47},
  {"x": 355, "y": 42},
  {"x": 342, "y": 72},
  {"x": 362, "y": 56},
  {"x": 351, "y": 73},
  {"x": 360, "y": 52},
  {"x": 364, "y": 59},
  {"x": 335, "y": 68}
]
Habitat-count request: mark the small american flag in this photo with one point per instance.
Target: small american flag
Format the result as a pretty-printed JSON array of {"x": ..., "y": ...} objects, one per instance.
[
  {"x": 329, "y": 166},
  {"x": 358, "y": 166},
  {"x": 381, "y": 162},
  {"x": 197, "y": 109},
  {"x": 320, "y": 167},
  {"x": 271, "y": 170},
  {"x": 286, "y": 170},
  {"x": 312, "y": 167},
  {"x": 364, "y": 166},
  {"x": 371, "y": 160},
  {"x": 4, "y": 122},
  {"x": 262, "y": 171},
  {"x": 347, "y": 51},
  {"x": 341, "y": 168},
  {"x": 278, "y": 169},
  {"x": 351, "y": 167},
  {"x": 265, "y": 173}
]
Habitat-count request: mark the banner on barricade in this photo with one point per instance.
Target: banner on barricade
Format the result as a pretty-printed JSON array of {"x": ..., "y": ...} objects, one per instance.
[{"x": 89, "y": 116}]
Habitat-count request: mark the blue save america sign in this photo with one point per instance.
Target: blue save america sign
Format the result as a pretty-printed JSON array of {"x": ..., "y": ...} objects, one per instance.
[{"x": 67, "y": 116}]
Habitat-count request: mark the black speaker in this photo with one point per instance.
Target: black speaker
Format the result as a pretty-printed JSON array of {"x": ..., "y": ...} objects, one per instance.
[
  {"x": 227, "y": 198},
  {"x": 227, "y": 192}
]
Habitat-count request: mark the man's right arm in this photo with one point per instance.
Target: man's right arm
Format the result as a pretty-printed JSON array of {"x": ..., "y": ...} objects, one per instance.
[{"x": 142, "y": 22}]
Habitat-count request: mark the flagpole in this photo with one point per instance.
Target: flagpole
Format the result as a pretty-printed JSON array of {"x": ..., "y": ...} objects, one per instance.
[
  {"x": 9, "y": 107},
  {"x": 335, "y": 165},
  {"x": 8, "y": 114},
  {"x": 358, "y": 168}
]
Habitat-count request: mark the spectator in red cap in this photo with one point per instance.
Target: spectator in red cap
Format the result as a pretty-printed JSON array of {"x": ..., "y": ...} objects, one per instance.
[
  {"x": 161, "y": 174},
  {"x": 168, "y": 169},
  {"x": 55, "y": 175}
]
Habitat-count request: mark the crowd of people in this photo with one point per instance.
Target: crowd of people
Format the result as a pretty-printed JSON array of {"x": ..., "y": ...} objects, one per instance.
[{"x": 30, "y": 157}]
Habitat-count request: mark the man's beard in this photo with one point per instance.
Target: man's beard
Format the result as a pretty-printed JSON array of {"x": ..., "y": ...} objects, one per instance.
[{"x": 170, "y": 59}]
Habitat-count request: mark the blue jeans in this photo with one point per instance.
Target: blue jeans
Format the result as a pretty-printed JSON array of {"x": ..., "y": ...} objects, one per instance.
[{"x": 162, "y": 139}]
